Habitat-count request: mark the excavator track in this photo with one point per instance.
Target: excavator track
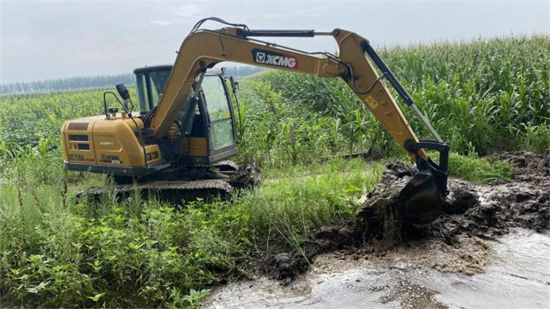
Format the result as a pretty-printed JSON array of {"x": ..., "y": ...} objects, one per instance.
[
  {"x": 175, "y": 192},
  {"x": 226, "y": 166}
]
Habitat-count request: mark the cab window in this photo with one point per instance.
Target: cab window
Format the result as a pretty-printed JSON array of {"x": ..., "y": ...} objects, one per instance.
[
  {"x": 150, "y": 86},
  {"x": 158, "y": 81},
  {"x": 142, "y": 93},
  {"x": 219, "y": 112}
]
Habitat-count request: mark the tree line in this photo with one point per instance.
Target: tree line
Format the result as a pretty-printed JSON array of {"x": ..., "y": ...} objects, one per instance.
[{"x": 98, "y": 81}]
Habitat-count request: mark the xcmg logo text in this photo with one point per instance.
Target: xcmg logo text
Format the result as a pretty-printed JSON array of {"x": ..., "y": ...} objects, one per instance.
[{"x": 276, "y": 59}]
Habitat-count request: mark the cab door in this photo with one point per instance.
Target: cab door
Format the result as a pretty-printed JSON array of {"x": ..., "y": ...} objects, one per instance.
[{"x": 221, "y": 126}]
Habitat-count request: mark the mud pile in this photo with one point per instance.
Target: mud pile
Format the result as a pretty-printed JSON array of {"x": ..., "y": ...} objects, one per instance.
[
  {"x": 472, "y": 214},
  {"x": 457, "y": 241},
  {"x": 492, "y": 210},
  {"x": 247, "y": 176}
]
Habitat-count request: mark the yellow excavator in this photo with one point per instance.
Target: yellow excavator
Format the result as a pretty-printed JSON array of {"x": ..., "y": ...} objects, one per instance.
[{"x": 179, "y": 141}]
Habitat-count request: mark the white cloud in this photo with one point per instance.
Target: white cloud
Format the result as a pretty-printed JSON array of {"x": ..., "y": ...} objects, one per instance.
[
  {"x": 162, "y": 23},
  {"x": 188, "y": 10}
]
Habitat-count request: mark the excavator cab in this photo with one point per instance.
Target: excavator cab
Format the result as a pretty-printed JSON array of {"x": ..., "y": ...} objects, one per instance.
[
  {"x": 202, "y": 135},
  {"x": 206, "y": 124}
]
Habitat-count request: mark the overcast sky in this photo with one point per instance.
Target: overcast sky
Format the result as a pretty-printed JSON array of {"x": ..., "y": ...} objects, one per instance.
[{"x": 53, "y": 39}]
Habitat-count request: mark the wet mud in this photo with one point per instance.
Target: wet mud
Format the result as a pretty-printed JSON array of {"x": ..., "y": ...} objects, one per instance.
[
  {"x": 457, "y": 241},
  {"x": 247, "y": 176},
  {"x": 472, "y": 213}
]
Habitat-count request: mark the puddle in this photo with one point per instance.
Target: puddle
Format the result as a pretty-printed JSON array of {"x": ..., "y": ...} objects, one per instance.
[{"x": 517, "y": 275}]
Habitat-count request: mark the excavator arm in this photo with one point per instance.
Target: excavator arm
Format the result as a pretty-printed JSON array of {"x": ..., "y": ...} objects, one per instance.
[
  {"x": 202, "y": 49},
  {"x": 205, "y": 48}
]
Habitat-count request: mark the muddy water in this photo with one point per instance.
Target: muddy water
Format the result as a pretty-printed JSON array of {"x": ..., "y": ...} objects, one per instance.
[{"x": 516, "y": 275}]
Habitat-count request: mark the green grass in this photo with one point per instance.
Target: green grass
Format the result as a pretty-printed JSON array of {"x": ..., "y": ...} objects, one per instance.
[
  {"x": 56, "y": 251},
  {"x": 27, "y": 118},
  {"x": 476, "y": 169}
]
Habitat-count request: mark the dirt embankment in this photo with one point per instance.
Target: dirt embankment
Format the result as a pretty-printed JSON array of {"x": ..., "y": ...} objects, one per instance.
[{"x": 457, "y": 240}]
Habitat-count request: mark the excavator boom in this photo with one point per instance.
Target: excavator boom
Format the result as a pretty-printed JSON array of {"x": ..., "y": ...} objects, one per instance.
[{"x": 203, "y": 49}]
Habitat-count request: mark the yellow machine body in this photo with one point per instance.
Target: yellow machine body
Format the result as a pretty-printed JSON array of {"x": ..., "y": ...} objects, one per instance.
[
  {"x": 102, "y": 145},
  {"x": 121, "y": 144}
]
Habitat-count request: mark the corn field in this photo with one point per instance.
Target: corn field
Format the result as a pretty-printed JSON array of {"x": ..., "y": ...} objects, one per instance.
[{"x": 481, "y": 96}]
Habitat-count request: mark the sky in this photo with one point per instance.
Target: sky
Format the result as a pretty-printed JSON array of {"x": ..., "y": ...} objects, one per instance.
[{"x": 55, "y": 39}]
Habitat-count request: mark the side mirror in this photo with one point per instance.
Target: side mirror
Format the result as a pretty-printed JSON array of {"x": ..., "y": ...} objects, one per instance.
[
  {"x": 123, "y": 91},
  {"x": 234, "y": 83}
]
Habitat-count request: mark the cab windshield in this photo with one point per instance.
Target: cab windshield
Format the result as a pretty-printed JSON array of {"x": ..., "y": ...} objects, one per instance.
[{"x": 150, "y": 86}]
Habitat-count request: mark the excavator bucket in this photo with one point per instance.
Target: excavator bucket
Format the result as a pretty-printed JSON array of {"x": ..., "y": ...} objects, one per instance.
[{"x": 421, "y": 200}]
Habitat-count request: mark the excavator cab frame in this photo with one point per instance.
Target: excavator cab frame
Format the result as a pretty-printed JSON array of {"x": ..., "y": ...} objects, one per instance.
[{"x": 204, "y": 131}]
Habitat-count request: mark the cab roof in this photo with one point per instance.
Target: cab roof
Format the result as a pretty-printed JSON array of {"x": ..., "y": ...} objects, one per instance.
[{"x": 154, "y": 68}]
